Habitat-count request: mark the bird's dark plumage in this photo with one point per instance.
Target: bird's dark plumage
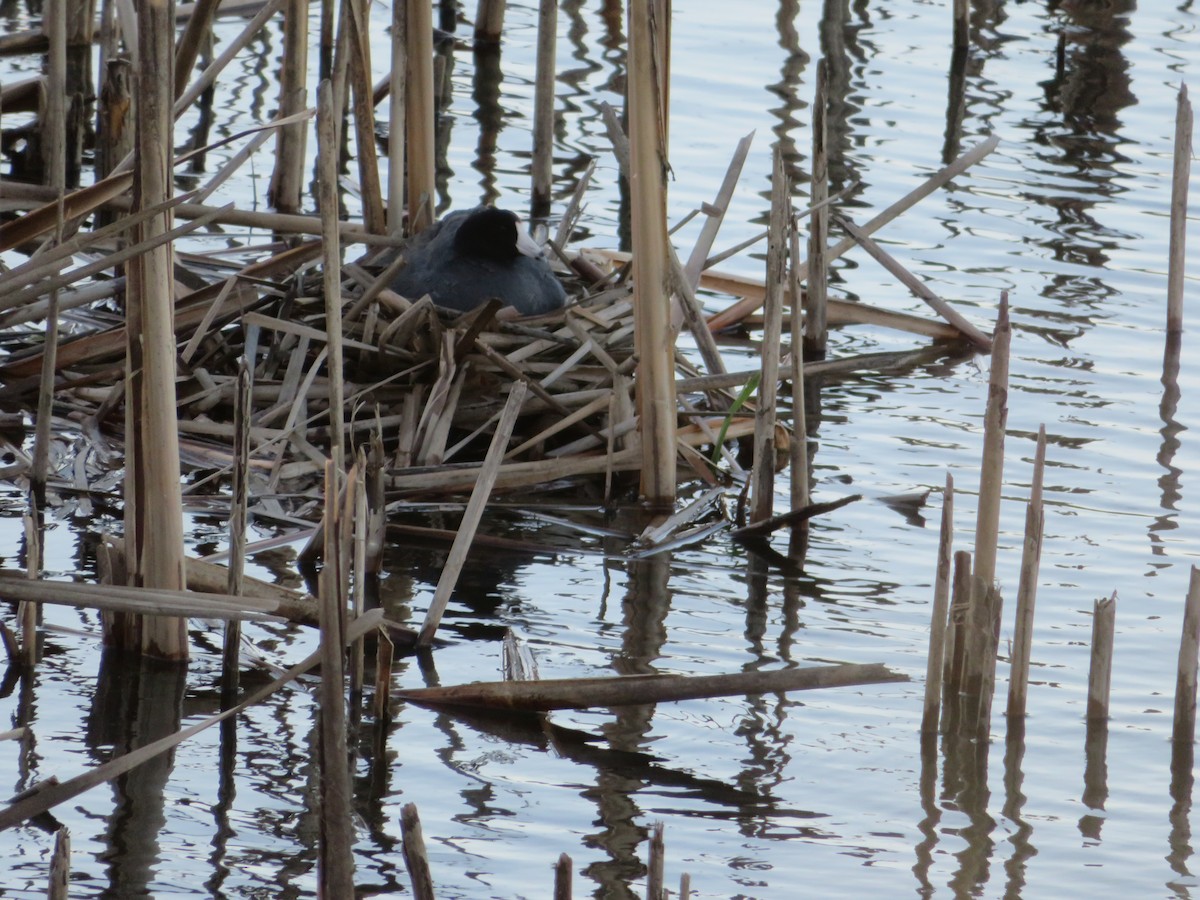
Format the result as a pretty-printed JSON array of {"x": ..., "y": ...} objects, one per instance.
[{"x": 471, "y": 256}]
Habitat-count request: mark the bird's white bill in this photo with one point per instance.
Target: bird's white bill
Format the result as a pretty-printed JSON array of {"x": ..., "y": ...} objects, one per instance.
[{"x": 526, "y": 245}]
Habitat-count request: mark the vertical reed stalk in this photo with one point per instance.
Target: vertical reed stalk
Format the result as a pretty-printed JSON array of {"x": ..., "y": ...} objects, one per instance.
[
  {"x": 53, "y": 118},
  {"x": 762, "y": 480},
  {"x": 159, "y": 520},
  {"x": 939, "y": 617},
  {"x": 562, "y": 878},
  {"x": 655, "y": 864},
  {"x": 489, "y": 21},
  {"x": 685, "y": 886},
  {"x": 1184, "y": 730},
  {"x": 28, "y": 609},
  {"x": 800, "y": 496},
  {"x": 327, "y": 155},
  {"x": 653, "y": 337},
  {"x": 287, "y": 181},
  {"x": 415, "y": 859},
  {"x": 956, "y": 634},
  {"x": 962, "y": 22},
  {"x": 1100, "y": 674},
  {"x": 991, "y": 468},
  {"x": 420, "y": 128},
  {"x": 397, "y": 105},
  {"x": 198, "y": 27},
  {"x": 238, "y": 500},
  {"x": 1177, "y": 262},
  {"x": 336, "y": 869},
  {"x": 359, "y": 581},
  {"x": 60, "y": 865},
  {"x": 359, "y": 46},
  {"x": 1031, "y": 556},
  {"x": 816, "y": 335},
  {"x": 384, "y": 653},
  {"x": 543, "y": 110}
]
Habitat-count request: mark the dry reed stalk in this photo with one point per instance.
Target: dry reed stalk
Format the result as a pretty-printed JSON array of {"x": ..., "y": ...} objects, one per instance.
[
  {"x": 359, "y": 44},
  {"x": 238, "y": 505},
  {"x": 359, "y": 569},
  {"x": 962, "y": 15},
  {"x": 655, "y": 863},
  {"x": 936, "y": 664},
  {"x": 53, "y": 792},
  {"x": 336, "y": 860},
  {"x": 327, "y": 156},
  {"x": 653, "y": 338},
  {"x": 1100, "y": 672},
  {"x": 991, "y": 466},
  {"x": 60, "y": 865},
  {"x": 1177, "y": 259},
  {"x": 157, "y": 526},
  {"x": 419, "y": 130},
  {"x": 543, "y": 111},
  {"x": 384, "y": 653},
  {"x": 956, "y": 639},
  {"x": 287, "y": 179},
  {"x": 489, "y": 21},
  {"x": 45, "y": 400},
  {"x": 114, "y": 118},
  {"x": 910, "y": 281},
  {"x": 744, "y": 307},
  {"x": 685, "y": 886},
  {"x": 53, "y": 118},
  {"x": 472, "y": 514},
  {"x": 798, "y": 446},
  {"x": 816, "y": 299},
  {"x": 195, "y": 32},
  {"x": 28, "y": 651},
  {"x": 397, "y": 114},
  {"x": 715, "y": 213},
  {"x": 562, "y": 877},
  {"x": 413, "y": 847},
  {"x": 631, "y": 690},
  {"x": 762, "y": 478},
  {"x": 1031, "y": 556},
  {"x": 979, "y": 656},
  {"x": 1184, "y": 730},
  {"x": 693, "y": 315}
]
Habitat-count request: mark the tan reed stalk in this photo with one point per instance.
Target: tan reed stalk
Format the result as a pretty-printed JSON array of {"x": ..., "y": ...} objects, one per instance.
[
  {"x": 655, "y": 864},
  {"x": 988, "y": 630},
  {"x": 420, "y": 128},
  {"x": 359, "y": 570},
  {"x": 762, "y": 478},
  {"x": 962, "y": 15},
  {"x": 53, "y": 119},
  {"x": 1031, "y": 556},
  {"x": 336, "y": 860},
  {"x": 936, "y": 664},
  {"x": 472, "y": 514},
  {"x": 715, "y": 213},
  {"x": 287, "y": 180},
  {"x": 60, "y": 865},
  {"x": 376, "y": 504},
  {"x": 358, "y": 37},
  {"x": 158, "y": 521},
  {"x": 545, "y": 695},
  {"x": 28, "y": 653},
  {"x": 661, "y": 12},
  {"x": 327, "y": 155},
  {"x": 1177, "y": 261},
  {"x": 991, "y": 467},
  {"x": 384, "y": 653},
  {"x": 653, "y": 337},
  {"x": 45, "y": 405},
  {"x": 198, "y": 26},
  {"x": 685, "y": 886},
  {"x": 413, "y": 848},
  {"x": 742, "y": 308},
  {"x": 910, "y": 281},
  {"x": 1100, "y": 672},
  {"x": 543, "y": 111},
  {"x": 397, "y": 115},
  {"x": 562, "y": 878},
  {"x": 816, "y": 337},
  {"x": 115, "y": 119},
  {"x": 489, "y": 21},
  {"x": 1184, "y": 730},
  {"x": 238, "y": 506},
  {"x": 798, "y": 449},
  {"x": 956, "y": 640}
]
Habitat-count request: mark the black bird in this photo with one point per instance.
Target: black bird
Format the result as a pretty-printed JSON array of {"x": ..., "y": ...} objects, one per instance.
[{"x": 473, "y": 255}]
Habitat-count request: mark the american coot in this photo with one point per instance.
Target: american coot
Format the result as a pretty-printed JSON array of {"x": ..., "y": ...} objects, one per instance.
[{"x": 473, "y": 255}]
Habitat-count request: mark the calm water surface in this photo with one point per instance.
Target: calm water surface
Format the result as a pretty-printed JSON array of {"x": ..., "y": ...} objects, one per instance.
[{"x": 820, "y": 794}]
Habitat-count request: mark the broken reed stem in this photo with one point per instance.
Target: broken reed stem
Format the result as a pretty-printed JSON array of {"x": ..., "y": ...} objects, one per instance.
[
  {"x": 1184, "y": 730},
  {"x": 562, "y": 878},
  {"x": 472, "y": 514},
  {"x": 489, "y": 21},
  {"x": 653, "y": 337},
  {"x": 956, "y": 639},
  {"x": 397, "y": 104},
  {"x": 962, "y": 32},
  {"x": 419, "y": 131},
  {"x": 60, "y": 865},
  {"x": 158, "y": 527},
  {"x": 413, "y": 847},
  {"x": 29, "y": 608},
  {"x": 238, "y": 506},
  {"x": 1100, "y": 673},
  {"x": 715, "y": 214},
  {"x": 327, "y": 156},
  {"x": 385, "y": 651},
  {"x": 45, "y": 405},
  {"x": 991, "y": 467},
  {"x": 798, "y": 448},
  {"x": 936, "y": 663},
  {"x": 362, "y": 92},
  {"x": 287, "y": 181},
  {"x": 1177, "y": 262},
  {"x": 982, "y": 644},
  {"x": 543, "y": 111},
  {"x": 1031, "y": 556},
  {"x": 336, "y": 860},
  {"x": 359, "y": 568},
  {"x": 815, "y": 300},
  {"x": 655, "y": 864},
  {"x": 762, "y": 478},
  {"x": 53, "y": 119}
]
